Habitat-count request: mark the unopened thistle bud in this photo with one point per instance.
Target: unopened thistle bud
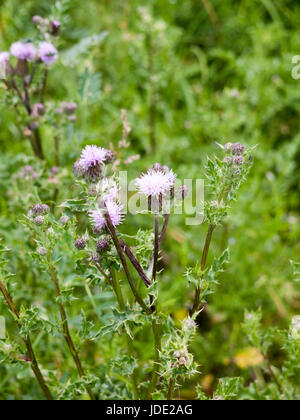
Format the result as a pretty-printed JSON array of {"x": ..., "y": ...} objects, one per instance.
[
  {"x": 95, "y": 258},
  {"x": 102, "y": 246},
  {"x": 80, "y": 243},
  {"x": 64, "y": 220},
  {"x": 42, "y": 251},
  {"x": 110, "y": 156},
  {"x": 238, "y": 149},
  {"x": 39, "y": 220},
  {"x": 239, "y": 160},
  {"x": 55, "y": 27}
]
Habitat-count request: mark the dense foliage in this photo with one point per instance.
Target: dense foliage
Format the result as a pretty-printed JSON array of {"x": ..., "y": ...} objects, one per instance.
[{"x": 219, "y": 316}]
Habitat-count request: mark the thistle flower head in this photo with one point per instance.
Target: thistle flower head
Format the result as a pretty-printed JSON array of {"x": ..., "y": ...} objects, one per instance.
[
  {"x": 39, "y": 220},
  {"x": 47, "y": 53},
  {"x": 23, "y": 50},
  {"x": 4, "y": 57},
  {"x": 90, "y": 164},
  {"x": 114, "y": 211},
  {"x": 238, "y": 148},
  {"x": 102, "y": 246},
  {"x": 55, "y": 27},
  {"x": 92, "y": 156},
  {"x": 156, "y": 183},
  {"x": 239, "y": 160},
  {"x": 80, "y": 243}
]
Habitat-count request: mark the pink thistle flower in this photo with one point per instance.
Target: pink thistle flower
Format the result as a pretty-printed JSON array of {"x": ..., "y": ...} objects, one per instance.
[
  {"x": 114, "y": 211},
  {"x": 156, "y": 183},
  {"x": 23, "y": 50},
  {"x": 4, "y": 57},
  {"x": 47, "y": 53},
  {"x": 91, "y": 161}
]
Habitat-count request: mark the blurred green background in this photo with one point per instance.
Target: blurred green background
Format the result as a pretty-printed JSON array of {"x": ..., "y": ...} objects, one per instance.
[{"x": 189, "y": 73}]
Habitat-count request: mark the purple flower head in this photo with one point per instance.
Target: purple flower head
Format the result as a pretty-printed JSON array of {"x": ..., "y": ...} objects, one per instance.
[
  {"x": 156, "y": 183},
  {"x": 4, "y": 57},
  {"x": 69, "y": 107},
  {"x": 102, "y": 246},
  {"x": 36, "y": 19},
  {"x": 39, "y": 220},
  {"x": 239, "y": 160},
  {"x": 238, "y": 149},
  {"x": 110, "y": 156},
  {"x": 23, "y": 50},
  {"x": 91, "y": 161},
  {"x": 47, "y": 53},
  {"x": 64, "y": 220},
  {"x": 114, "y": 211},
  {"x": 80, "y": 243},
  {"x": 92, "y": 156},
  {"x": 55, "y": 27}
]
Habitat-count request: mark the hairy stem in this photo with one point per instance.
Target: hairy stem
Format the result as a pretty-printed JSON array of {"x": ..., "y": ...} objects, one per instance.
[
  {"x": 171, "y": 389},
  {"x": 121, "y": 303},
  {"x": 33, "y": 361},
  {"x": 157, "y": 345},
  {"x": 272, "y": 373},
  {"x": 118, "y": 247},
  {"x": 156, "y": 247},
  {"x": 196, "y": 303},
  {"x": 66, "y": 329},
  {"x": 132, "y": 258}
]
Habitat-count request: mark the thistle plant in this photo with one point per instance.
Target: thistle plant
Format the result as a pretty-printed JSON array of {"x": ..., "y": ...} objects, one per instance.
[{"x": 99, "y": 302}]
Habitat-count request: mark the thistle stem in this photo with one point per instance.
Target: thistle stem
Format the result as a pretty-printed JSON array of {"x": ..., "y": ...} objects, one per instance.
[
  {"x": 132, "y": 258},
  {"x": 66, "y": 329},
  {"x": 118, "y": 247},
  {"x": 156, "y": 247},
  {"x": 203, "y": 265},
  {"x": 121, "y": 303},
  {"x": 171, "y": 389},
  {"x": 33, "y": 361}
]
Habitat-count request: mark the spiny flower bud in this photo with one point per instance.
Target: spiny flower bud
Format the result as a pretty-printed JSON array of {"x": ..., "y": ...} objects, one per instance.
[
  {"x": 228, "y": 160},
  {"x": 39, "y": 220},
  {"x": 64, "y": 220},
  {"x": 37, "y": 209},
  {"x": 72, "y": 118},
  {"x": 182, "y": 361},
  {"x": 110, "y": 156},
  {"x": 69, "y": 107},
  {"x": 37, "y": 19},
  {"x": 80, "y": 243},
  {"x": 95, "y": 258},
  {"x": 238, "y": 149},
  {"x": 239, "y": 160},
  {"x": 42, "y": 251},
  {"x": 55, "y": 27},
  {"x": 102, "y": 246}
]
